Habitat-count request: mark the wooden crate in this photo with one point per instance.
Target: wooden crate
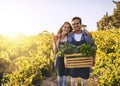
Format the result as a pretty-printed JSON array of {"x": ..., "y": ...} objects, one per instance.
[{"x": 77, "y": 61}]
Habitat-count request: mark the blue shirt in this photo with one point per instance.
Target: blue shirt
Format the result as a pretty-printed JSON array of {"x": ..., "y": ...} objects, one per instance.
[{"x": 84, "y": 39}]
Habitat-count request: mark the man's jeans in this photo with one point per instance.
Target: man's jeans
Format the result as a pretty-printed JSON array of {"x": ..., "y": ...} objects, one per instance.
[
  {"x": 62, "y": 81},
  {"x": 84, "y": 82}
]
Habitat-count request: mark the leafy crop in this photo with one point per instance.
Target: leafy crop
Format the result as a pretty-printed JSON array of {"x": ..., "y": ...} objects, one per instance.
[
  {"x": 87, "y": 50},
  {"x": 67, "y": 48},
  {"x": 84, "y": 49}
]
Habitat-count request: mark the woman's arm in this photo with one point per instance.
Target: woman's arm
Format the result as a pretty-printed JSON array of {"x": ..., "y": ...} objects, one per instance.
[{"x": 87, "y": 32}]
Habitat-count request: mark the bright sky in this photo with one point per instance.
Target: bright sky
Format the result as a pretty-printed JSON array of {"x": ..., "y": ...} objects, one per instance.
[{"x": 35, "y": 16}]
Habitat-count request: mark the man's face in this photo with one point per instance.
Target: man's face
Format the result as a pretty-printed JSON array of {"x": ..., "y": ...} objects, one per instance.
[{"x": 76, "y": 25}]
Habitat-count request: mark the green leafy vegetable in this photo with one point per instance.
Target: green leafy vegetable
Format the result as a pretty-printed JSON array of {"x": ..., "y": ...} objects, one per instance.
[{"x": 85, "y": 49}]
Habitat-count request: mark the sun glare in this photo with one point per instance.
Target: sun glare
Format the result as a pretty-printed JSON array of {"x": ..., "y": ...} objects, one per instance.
[
  {"x": 9, "y": 34},
  {"x": 11, "y": 31},
  {"x": 14, "y": 24},
  {"x": 14, "y": 20}
]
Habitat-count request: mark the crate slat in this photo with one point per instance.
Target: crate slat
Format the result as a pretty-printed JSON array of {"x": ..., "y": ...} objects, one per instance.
[
  {"x": 75, "y": 66},
  {"x": 77, "y": 61}
]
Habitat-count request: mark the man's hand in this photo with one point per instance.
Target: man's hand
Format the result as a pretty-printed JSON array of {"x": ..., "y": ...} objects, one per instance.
[{"x": 93, "y": 61}]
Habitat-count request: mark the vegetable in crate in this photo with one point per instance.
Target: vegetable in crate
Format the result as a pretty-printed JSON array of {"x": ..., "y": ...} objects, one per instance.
[
  {"x": 67, "y": 48},
  {"x": 87, "y": 50}
]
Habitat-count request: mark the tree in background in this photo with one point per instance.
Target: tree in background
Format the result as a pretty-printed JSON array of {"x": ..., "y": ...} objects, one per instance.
[{"x": 110, "y": 21}]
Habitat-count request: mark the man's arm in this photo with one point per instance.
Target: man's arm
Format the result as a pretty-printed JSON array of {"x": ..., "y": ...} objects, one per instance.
[
  {"x": 94, "y": 53},
  {"x": 91, "y": 41}
]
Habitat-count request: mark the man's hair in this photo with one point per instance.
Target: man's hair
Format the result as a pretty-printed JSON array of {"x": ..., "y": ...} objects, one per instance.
[{"x": 78, "y": 19}]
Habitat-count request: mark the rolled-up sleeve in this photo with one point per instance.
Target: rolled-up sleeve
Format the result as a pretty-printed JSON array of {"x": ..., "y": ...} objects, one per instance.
[{"x": 91, "y": 41}]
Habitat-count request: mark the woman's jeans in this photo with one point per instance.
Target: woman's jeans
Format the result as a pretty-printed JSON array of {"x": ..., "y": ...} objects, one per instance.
[{"x": 62, "y": 80}]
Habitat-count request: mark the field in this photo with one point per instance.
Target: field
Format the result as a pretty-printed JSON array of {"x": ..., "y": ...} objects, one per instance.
[{"x": 28, "y": 60}]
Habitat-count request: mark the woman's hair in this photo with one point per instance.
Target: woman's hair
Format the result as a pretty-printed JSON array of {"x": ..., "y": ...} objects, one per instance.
[
  {"x": 77, "y": 18},
  {"x": 60, "y": 30}
]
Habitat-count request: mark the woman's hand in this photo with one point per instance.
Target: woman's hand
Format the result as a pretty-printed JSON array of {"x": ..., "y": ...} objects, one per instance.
[{"x": 55, "y": 38}]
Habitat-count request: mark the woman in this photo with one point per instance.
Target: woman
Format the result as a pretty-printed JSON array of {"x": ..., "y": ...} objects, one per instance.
[{"x": 59, "y": 40}]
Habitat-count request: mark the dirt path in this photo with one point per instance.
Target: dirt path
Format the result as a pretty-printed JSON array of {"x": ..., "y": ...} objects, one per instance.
[
  {"x": 52, "y": 81},
  {"x": 49, "y": 81}
]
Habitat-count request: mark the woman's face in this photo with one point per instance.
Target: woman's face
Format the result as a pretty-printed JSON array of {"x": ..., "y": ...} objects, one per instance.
[{"x": 66, "y": 28}]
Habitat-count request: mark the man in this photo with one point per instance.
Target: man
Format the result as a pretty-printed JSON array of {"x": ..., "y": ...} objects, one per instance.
[{"x": 77, "y": 38}]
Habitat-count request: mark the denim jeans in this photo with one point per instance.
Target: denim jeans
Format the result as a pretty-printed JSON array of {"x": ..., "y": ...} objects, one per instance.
[
  {"x": 62, "y": 80},
  {"x": 74, "y": 82}
]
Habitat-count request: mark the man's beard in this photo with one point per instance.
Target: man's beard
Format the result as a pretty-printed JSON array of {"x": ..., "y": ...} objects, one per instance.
[{"x": 76, "y": 30}]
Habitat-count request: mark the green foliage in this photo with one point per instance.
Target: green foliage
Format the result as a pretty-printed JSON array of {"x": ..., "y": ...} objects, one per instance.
[
  {"x": 67, "y": 48},
  {"x": 87, "y": 50},
  {"x": 84, "y": 49}
]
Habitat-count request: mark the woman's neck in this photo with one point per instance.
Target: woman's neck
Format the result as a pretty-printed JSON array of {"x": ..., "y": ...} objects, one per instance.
[{"x": 64, "y": 37}]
